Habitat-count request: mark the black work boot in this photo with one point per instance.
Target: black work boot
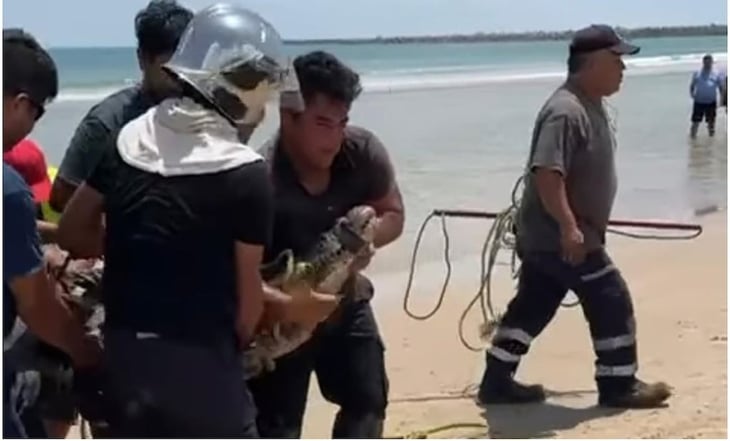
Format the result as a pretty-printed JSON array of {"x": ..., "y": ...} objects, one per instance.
[
  {"x": 638, "y": 395},
  {"x": 501, "y": 388},
  {"x": 357, "y": 425}
]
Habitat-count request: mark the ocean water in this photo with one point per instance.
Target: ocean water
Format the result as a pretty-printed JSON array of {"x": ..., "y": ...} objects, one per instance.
[{"x": 457, "y": 119}]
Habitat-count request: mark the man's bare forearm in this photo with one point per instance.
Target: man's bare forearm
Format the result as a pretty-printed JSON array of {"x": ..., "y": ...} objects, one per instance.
[
  {"x": 48, "y": 317},
  {"x": 61, "y": 192},
  {"x": 390, "y": 227},
  {"x": 82, "y": 241},
  {"x": 48, "y": 231},
  {"x": 551, "y": 189},
  {"x": 250, "y": 306}
]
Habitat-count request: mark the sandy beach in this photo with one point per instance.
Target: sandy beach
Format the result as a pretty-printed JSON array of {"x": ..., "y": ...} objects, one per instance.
[
  {"x": 680, "y": 296},
  {"x": 679, "y": 290}
]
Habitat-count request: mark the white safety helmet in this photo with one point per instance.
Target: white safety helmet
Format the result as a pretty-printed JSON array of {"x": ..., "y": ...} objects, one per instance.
[{"x": 237, "y": 61}]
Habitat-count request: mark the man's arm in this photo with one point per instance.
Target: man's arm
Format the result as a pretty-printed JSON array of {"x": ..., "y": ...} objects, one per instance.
[
  {"x": 550, "y": 163},
  {"x": 692, "y": 83},
  {"x": 86, "y": 149},
  {"x": 720, "y": 83},
  {"x": 306, "y": 308},
  {"x": 551, "y": 189},
  {"x": 386, "y": 197},
  {"x": 249, "y": 288},
  {"x": 81, "y": 228},
  {"x": 37, "y": 302},
  {"x": 252, "y": 214},
  {"x": 48, "y": 231}
]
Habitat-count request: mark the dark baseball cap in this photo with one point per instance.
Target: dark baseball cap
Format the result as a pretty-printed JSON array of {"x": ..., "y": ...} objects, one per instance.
[{"x": 597, "y": 37}]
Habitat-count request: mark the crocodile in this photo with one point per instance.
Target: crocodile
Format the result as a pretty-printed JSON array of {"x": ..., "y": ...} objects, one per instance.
[{"x": 325, "y": 269}]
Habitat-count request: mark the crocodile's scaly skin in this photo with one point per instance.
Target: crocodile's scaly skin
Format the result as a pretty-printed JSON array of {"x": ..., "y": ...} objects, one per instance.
[{"x": 325, "y": 271}]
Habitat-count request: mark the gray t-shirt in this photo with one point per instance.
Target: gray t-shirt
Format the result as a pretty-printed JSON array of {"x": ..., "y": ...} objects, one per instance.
[
  {"x": 98, "y": 131},
  {"x": 572, "y": 135}
]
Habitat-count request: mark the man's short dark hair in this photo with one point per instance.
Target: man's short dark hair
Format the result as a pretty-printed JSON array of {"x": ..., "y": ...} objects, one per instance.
[
  {"x": 160, "y": 25},
  {"x": 27, "y": 67},
  {"x": 576, "y": 62},
  {"x": 320, "y": 72}
]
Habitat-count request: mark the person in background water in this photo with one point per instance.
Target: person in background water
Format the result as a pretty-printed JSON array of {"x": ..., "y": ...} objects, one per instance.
[
  {"x": 188, "y": 211},
  {"x": 29, "y": 161},
  {"x": 321, "y": 168},
  {"x": 704, "y": 87},
  {"x": 30, "y": 81},
  {"x": 158, "y": 28},
  {"x": 570, "y": 185}
]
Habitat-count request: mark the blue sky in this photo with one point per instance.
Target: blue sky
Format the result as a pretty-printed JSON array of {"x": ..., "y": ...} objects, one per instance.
[{"x": 109, "y": 22}]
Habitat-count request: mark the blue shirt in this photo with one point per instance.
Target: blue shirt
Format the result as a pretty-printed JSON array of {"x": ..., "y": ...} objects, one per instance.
[
  {"x": 22, "y": 254},
  {"x": 705, "y": 85}
]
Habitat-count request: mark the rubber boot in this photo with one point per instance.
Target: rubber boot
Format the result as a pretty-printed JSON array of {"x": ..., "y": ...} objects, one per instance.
[{"x": 357, "y": 425}]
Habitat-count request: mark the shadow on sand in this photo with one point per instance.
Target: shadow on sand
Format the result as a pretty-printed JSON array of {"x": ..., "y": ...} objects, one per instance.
[{"x": 540, "y": 420}]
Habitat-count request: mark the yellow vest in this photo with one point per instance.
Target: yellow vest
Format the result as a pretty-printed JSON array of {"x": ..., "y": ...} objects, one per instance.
[{"x": 49, "y": 214}]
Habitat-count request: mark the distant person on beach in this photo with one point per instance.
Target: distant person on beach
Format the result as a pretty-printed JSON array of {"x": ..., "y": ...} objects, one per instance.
[
  {"x": 30, "y": 81},
  {"x": 158, "y": 28},
  {"x": 321, "y": 168},
  {"x": 187, "y": 209},
  {"x": 704, "y": 88},
  {"x": 570, "y": 184}
]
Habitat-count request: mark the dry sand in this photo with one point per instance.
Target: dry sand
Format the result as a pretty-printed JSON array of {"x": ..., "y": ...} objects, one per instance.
[{"x": 679, "y": 290}]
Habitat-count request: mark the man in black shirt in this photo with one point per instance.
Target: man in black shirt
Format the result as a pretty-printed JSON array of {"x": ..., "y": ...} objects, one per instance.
[
  {"x": 158, "y": 28},
  {"x": 321, "y": 168},
  {"x": 188, "y": 210}
]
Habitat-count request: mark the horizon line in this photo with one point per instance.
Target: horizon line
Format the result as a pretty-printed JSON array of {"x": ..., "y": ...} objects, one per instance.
[{"x": 482, "y": 36}]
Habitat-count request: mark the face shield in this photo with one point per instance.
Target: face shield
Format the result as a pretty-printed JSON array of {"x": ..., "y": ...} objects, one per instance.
[{"x": 236, "y": 60}]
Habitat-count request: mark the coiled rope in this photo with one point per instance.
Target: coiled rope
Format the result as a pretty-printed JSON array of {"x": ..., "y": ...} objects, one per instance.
[{"x": 501, "y": 237}]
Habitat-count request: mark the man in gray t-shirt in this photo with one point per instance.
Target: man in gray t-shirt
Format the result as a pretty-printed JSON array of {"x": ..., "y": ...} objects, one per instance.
[{"x": 570, "y": 185}]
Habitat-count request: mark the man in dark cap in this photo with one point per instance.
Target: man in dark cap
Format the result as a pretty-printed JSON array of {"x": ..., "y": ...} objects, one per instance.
[{"x": 570, "y": 184}]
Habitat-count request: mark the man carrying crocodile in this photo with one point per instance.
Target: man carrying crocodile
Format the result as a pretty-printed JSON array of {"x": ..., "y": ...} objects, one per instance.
[{"x": 322, "y": 168}]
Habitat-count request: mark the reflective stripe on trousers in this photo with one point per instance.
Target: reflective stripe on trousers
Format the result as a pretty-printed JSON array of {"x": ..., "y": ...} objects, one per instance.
[{"x": 510, "y": 344}]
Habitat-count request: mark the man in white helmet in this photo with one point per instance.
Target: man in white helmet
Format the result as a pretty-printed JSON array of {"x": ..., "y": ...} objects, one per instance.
[{"x": 188, "y": 211}]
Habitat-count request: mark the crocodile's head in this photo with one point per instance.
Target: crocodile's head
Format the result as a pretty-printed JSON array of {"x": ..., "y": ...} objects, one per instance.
[
  {"x": 357, "y": 229},
  {"x": 362, "y": 220},
  {"x": 349, "y": 236}
]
